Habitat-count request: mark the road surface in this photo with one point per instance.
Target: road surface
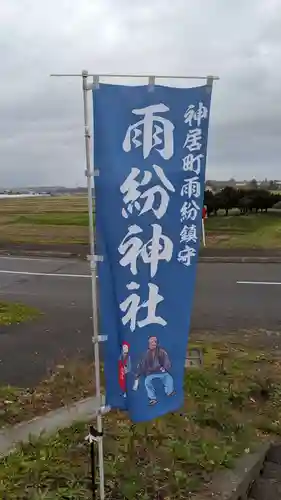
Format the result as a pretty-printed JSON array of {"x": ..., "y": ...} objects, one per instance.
[{"x": 228, "y": 297}]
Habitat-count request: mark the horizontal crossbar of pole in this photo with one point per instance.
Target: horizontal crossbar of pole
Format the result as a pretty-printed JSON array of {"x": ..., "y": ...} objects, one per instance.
[{"x": 160, "y": 77}]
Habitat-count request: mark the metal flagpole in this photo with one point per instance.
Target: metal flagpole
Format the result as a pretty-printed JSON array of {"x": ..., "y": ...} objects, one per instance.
[
  {"x": 209, "y": 82},
  {"x": 93, "y": 260},
  {"x": 131, "y": 75}
]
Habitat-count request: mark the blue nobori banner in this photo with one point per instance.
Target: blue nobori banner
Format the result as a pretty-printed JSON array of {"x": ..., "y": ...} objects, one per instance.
[{"x": 150, "y": 150}]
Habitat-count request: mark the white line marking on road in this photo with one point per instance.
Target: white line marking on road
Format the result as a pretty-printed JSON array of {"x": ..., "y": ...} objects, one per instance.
[
  {"x": 21, "y": 292},
  {"x": 258, "y": 283},
  {"x": 52, "y": 275},
  {"x": 39, "y": 259}
]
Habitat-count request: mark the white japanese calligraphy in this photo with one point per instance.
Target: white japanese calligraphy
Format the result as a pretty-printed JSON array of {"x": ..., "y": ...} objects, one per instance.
[
  {"x": 131, "y": 306},
  {"x": 185, "y": 255},
  {"x": 191, "y": 163},
  {"x": 158, "y": 204},
  {"x": 189, "y": 211},
  {"x": 191, "y": 187},
  {"x": 197, "y": 115},
  {"x": 188, "y": 234},
  {"x": 152, "y": 131},
  {"x": 193, "y": 140},
  {"x": 159, "y": 247}
]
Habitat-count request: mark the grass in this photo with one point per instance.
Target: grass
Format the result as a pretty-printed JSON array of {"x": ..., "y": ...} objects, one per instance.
[
  {"x": 262, "y": 230},
  {"x": 44, "y": 221},
  {"x": 13, "y": 313},
  {"x": 56, "y": 204},
  {"x": 55, "y": 221},
  {"x": 45, "y": 235},
  {"x": 230, "y": 405}
]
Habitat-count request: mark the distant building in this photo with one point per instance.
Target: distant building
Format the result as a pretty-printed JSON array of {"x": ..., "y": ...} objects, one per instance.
[
  {"x": 242, "y": 185},
  {"x": 209, "y": 188}
]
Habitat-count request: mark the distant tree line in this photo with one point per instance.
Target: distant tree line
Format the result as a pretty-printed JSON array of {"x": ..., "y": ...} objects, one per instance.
[
  {"x": 270, "y": 185},
  {"x": 246, "y": 200}
]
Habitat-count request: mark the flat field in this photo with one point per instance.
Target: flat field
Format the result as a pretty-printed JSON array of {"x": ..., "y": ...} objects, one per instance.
[{"x": 61, "y": 222}]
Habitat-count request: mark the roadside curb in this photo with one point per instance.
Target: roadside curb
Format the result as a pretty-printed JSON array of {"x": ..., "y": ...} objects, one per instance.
[
  {"x": 240, "y": 260},
  {"x": 38, "y": 253},
  {"x": 202, "y": 259},
  {"x": 47, "y": 424},
  {"x": 235, "y": 484}
]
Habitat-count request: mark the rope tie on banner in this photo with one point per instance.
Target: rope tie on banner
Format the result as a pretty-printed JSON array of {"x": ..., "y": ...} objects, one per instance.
[
  {"x": 151, "y": 83},
  {"x": 210, "y": 80},
  {"x": 94, "y": 435},
  {"x": 95, "y": 258},
  {"x": 94, "y": 173},
  {"x": 96, "y": 82}
]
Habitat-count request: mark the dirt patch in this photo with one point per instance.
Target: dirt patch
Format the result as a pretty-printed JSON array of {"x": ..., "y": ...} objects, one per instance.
[
  {"x": 69, "y": 382},
  {"x": 17, "y": 248}
]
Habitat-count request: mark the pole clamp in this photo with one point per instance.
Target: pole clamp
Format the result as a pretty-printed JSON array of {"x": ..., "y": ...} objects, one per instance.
[
  {"x": 93, "y": 173},
  {"x": 88, "y": 173},
  {"x": 95, "y": 258},
  {"x": 104, "y": 409},
  {"x": 99, "y": 338},
  {"x": 87, "y": 131}
]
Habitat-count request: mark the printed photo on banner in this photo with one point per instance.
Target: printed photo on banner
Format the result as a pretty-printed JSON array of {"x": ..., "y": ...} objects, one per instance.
[{"x": 155, "y": 365}]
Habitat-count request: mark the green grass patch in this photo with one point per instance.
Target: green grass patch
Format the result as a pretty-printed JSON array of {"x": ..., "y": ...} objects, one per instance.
[
  {"x": 13, "y": 313},
  {"x": 230, "y": 404},
  {"x": 262, "y": 230},
  {"x": 64, "y": 220},
  {"x": 55, "y": 219}
]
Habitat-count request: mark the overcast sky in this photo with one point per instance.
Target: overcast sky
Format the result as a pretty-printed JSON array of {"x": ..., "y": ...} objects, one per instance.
[{"x": 41, "y": 140}]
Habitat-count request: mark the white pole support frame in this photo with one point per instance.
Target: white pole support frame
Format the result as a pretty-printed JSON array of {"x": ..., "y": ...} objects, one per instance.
[
  {"x": 91, "y": 173},
  {"x": 93, "y": 259}
]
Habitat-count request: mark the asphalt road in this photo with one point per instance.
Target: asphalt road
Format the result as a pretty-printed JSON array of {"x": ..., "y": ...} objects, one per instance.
[{"x": 228, "y": 297}]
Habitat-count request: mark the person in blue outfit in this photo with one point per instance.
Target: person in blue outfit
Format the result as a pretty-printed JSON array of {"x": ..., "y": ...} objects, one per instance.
[{"x": 155, "y": 364}]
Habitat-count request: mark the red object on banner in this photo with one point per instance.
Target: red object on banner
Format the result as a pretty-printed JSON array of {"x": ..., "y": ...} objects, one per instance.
[
  {"x": 124, "y": 364},
  {"x": 204, "y": 213},
  {"x": 121, "y": 373}
]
